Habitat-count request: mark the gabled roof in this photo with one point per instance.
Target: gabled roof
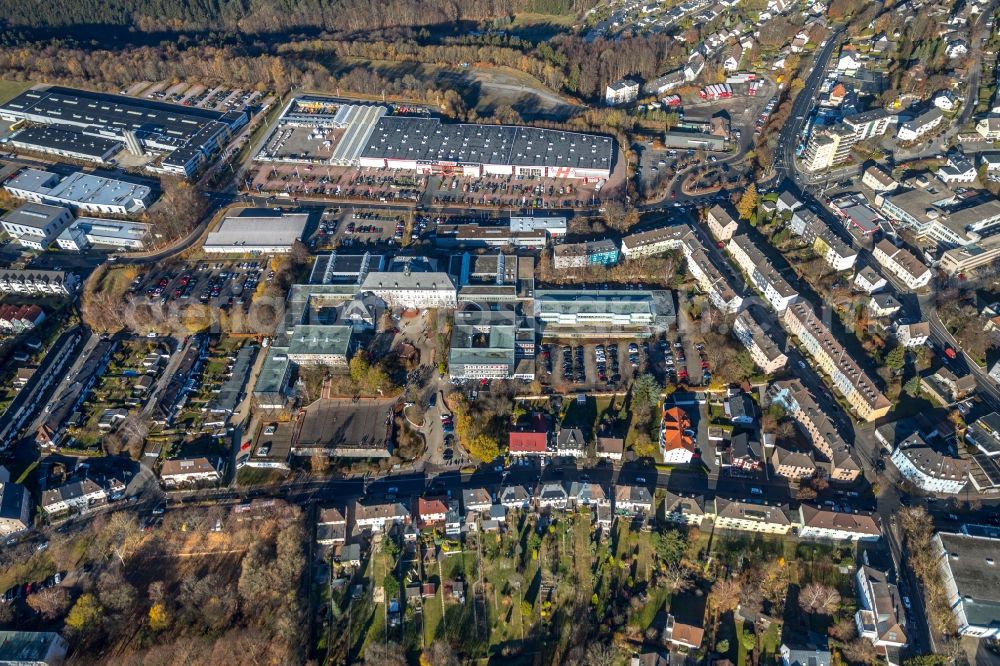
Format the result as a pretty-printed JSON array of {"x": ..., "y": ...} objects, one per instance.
[
  {"x": 430, "y": 506},
  {"x": 856, "y": 523},
  {"x": 571, "y": 439},
  {"x": 672, "y": 426}
]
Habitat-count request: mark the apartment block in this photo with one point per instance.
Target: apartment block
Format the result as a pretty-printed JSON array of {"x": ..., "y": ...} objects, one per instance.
[
  {"x": 720, "y": 223},
  {"x": 824, "y": 241},
  {"x": 764, "y": 276},
  {"x": 816, "y": 425},
  {"x": 830, "y": 356},
  {"x": 762, "y": 347},
  {"x": 746, "y": 516},
  {"x": 901, "y": 263}
]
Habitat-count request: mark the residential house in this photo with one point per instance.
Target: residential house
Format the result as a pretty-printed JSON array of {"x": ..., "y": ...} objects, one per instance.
[
  {"x": 793, "y": 464},
  {"x": 881, "y": 617},
  {"x": 828, "y": 525},
  {"x": 743, "y": 453},
  {"x": 720, "y": 223},
  {"x": 684, "y": 509},
  {"x": 794, "y": 657},
  {"x": 430, "y": 511},
  {"x": 749, "y": 516},
  {"x": 73, "y": 496},
  {"x": 947, "y": 387},
  {"x": 611, "y": 448},
  {"x": 878, "y": 180},
  {"x": 683, "y": 635},
  {"x": 920, "y": 126},
  {"x": 740, "y": 409},
  {"x": 476, "y": 499},
  {"x": 632, "y": 500},
  {"x": 763, "y": 348},
  {"x": 676, "y": 443},
  {"x": 376, "y": 516},
  {"x": 913, "y": 335},
  {"x": 15, "y": 508},
  {"x": 883, "y": 305},
  {"x": 571, "y": 443},
  {"x": 551, "y": 496},
  {"x": 515, "y": 497},
  {"x": 529, "y": 444},
  {"x": 584, "y": 493},
  {"x": 929, "y": 469},
  {"x": 621, "y": 92},
  {"x": 869, "y": 281},
  {"x": 331, "y": 527},
  {"x": 350, "y": 555},
  {"x": 830, "y": 356},
  {"x": 184, "y": 471}
]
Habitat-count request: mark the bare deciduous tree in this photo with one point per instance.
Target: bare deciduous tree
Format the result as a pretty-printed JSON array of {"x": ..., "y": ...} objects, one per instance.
[
  {"x": 819, "y": 598},
  {"x": 50, "y": 603}
]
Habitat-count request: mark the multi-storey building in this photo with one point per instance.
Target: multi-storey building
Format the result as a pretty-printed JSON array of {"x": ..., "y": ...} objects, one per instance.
[
  {"x": 901, "y": 263},
  {"x": 881, "y": 617},
  {"x": 38, "y": 282},
  {"x": 763, "y": 349},
  {"x": 824, "y": 241},
  {"x": 720, "y": 223},
  {"x": 582, "y": 255},
  {"x": 816, "y": 425},
  {"x": 845, "y": 374},
  {"x": 827, "y": 525},
  {"x": 746, "y": 516},
  {"x": 929, "y": 469},
  {"x": 761, "y": 273},
  {"x": 921, "y": 125}
]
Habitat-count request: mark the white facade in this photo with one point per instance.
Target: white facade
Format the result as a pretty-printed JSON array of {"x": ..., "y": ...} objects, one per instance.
[
  {"x": 930, "y": 471},
  {"x": 621, "y": 92},
  {"x": 413, "y": 291},
  {"x": 901, "y": 263},
  {"x": 762, "y": 347}
]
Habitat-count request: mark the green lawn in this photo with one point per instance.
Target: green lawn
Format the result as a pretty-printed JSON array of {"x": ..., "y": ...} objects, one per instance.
[
  {"x": 11, "y": 89},
  {"x": 433, "y": 615}
]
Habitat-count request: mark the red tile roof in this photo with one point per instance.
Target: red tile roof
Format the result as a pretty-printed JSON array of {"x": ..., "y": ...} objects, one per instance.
[
  {"x": 426, "y": 507},
  {"x": 675, "y": 422},
  {"x": 528, "y": 442}
]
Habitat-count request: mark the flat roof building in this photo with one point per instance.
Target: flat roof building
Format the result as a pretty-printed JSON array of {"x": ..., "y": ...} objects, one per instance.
[
  {"x": 488, "y": 344},
  {"x": 88, "y": 231},
  {"x": 968, "y": 569},
  {"x": 86, "y": 192},
  {"x": 346, "y": 428},
  {"x": 317, "y": 344},
  {"x": 257, "y": 231},
  {"x": 603, "y": 312},
  {"x": 428, "y": 146},
  {"x": 36, "y": 225},
  {"x": 187, "y": 134},
  {"x": 338, "y": 268},
  {"x": 66, "y": 143}
]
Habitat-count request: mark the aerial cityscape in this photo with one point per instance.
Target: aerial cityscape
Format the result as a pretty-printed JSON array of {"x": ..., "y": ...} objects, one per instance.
[{"x": 522, "y": 332}]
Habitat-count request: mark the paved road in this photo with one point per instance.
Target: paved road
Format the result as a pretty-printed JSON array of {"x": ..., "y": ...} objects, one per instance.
[{"x": 784, "y": 165}]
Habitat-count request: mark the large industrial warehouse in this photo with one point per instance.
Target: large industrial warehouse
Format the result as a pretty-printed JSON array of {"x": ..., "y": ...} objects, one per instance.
[
  {"x": 314, "y": 130},
  {"x": 428, "y": 146},
  {"x": 187, "y": 136}
]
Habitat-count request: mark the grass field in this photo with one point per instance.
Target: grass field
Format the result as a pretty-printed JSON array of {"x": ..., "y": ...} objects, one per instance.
[{"x": 11, "y": 89}]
